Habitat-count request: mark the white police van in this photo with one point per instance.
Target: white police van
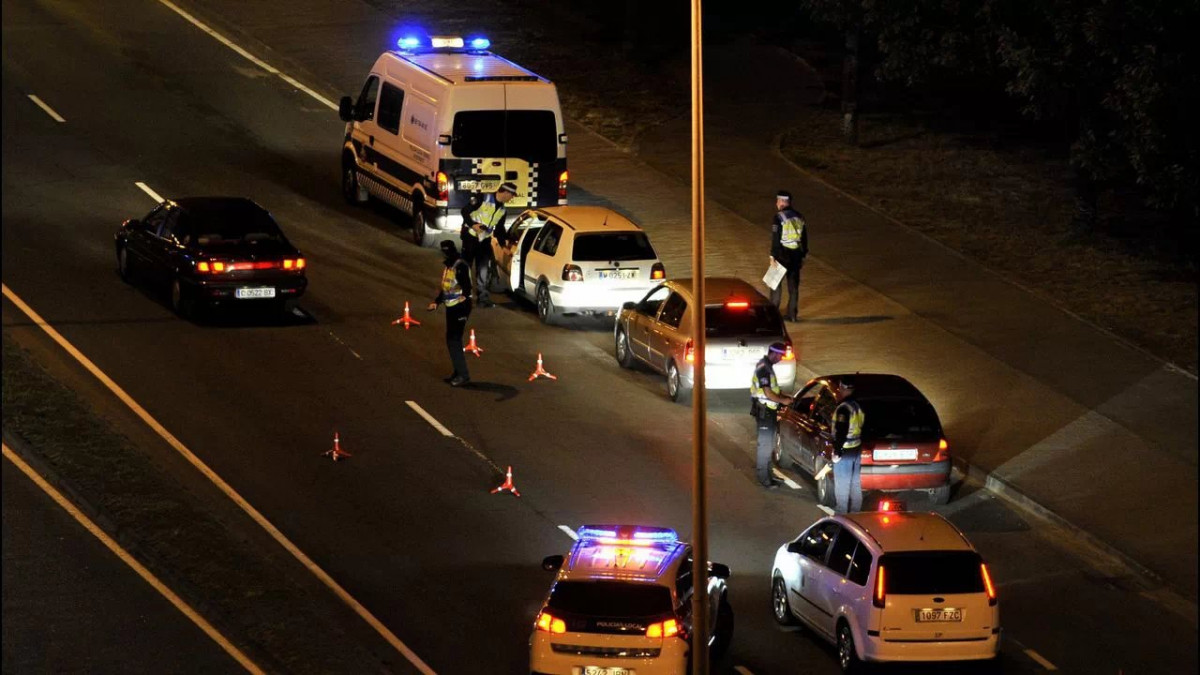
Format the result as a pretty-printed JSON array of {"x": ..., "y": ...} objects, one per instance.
[{"x": 441, "y": 119}]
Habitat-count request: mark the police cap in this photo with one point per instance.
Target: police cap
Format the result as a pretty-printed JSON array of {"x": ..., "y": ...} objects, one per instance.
[
  {"x": 509, "y": 187},
  {"x": 778, "y": 348},
  {"x": 783, "y": 194}
]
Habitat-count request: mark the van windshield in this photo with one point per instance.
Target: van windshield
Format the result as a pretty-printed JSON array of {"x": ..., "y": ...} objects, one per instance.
[
  {"x": 936, "y": 572},
  {"x": 530, "y": 135}
]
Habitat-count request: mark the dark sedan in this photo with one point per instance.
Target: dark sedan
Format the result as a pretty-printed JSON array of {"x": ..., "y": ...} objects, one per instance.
[
  {"x": 211, "y": 250},
  {"x": 903, "y": 447}
]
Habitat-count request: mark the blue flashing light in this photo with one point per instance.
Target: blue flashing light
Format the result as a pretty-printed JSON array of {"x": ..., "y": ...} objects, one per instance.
[
  {"x": 592, "y": 532},
  {"x": 408, "y": 42},
  {"x": 659, "y": 535},
  {"x": 480, "y": 43},
  {"x": 638, "y": 535}
]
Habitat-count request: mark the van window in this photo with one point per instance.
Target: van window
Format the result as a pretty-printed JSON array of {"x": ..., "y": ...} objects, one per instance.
[
  {"x": 932, "y": 572},
  {"x": 365, "y": 107},
  {"x": 530, "y": 135},
  {"x": 612, "y": 246},
  {"x": 610, "y": 598},
  {"x": 755, "y": 320},
  {"x": 390, "y": 102}
]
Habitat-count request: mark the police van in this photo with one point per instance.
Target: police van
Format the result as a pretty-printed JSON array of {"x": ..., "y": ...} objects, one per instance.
[{"x": 442, "y": 119}]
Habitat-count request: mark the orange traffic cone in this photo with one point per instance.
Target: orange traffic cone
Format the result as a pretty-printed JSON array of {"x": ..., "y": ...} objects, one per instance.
[
  {"x": 336, "y": 451},
  {"x": 540, "y": 371},
  {"x": 472, "y": 346},
  {"x": 407, "y": 319},
  {"x": 507, "y": 485}
]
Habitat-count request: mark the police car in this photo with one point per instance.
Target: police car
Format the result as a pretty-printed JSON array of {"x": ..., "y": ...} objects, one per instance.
[
  {"x": 888, "y": 586},
  {"x": 622, "y": 605}
]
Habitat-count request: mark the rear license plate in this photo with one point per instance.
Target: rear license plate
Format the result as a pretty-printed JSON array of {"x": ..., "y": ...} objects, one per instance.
[
  {"x": 945, "y": 614},
  {"x": 479, "y": 185},
  {"x": 624, "y": 275},
  {"x": 248, "y": 293},
  {"x": 605, "y": 670},
  {"x": 891, "y": 454}
]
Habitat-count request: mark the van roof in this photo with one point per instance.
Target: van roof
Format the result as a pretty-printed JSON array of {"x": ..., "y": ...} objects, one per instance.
[
  {"x": 910, "y": 531},
  {"x": 591, "y": 218},
  {"x": 469, "y": 67}
]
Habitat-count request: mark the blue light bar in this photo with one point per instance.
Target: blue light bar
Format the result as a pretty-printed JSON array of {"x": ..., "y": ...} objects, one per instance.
[
  {"x": 648, "y": 535},
  {"x": 592, "y": 532},
  {"x": 408, "y": 42},
  {"x": 480, "y": 43}
]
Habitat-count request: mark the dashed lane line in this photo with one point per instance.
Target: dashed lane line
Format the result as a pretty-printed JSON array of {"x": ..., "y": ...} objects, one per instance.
[
  {"x": 47, "y": 109},
  {"x": 146, "y": 188},
  {"x": 742, "y": 670},
  {"x": 430, "y": 418},
  {"x": 569, "y": 532},
  {"x": 146, "y": 575},
  {"x": 826, "y": 509},
  {"x": 220, "y": 483},
  {"x": 1041, "y": 660},
  {"x": 786, "y": 481}
]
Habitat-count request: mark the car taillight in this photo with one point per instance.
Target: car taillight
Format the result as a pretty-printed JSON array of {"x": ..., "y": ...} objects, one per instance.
[
  {"x": 880, "y": 591},
  {"x": 689, "y": 352},
  {"x": 658, "y": 271},
  {"x": 562, "y": 186},
  {"x": 789, "y": 355},
  {"x": 987, "y": 584},
  {"x": 294, "y": 264},
  {"x": 550, "y": 624},
  {"x": 943, "y": 451},
  {"x": 210, "y": 267},
  {"x": 443, "y": 186},
  {"x": 572, "y": 273},
  {"x": 737, "y": 304},
  {"x": 663, "y": 629}
]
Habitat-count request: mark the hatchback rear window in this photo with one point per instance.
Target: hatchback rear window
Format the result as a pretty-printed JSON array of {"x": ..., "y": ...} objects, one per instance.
[
  {"x": 725, "y": 321},
  {"x": 612, "y": 246},
  {"x": 936, "y": 572},
  {"x": 907, "y": 418},
  {"x": 610, "y": 598},
  {"x": 531, "y": 135}
]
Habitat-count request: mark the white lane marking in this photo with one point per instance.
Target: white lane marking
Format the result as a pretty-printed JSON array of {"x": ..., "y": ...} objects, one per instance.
[
  {"x": 49, "y": 111},
  {"x": 570, "y": 533},
  {"x": 1040, "y": 659},
  {"x": 335, "y": 338},
  {"x": 429, "y": 418},
  {"x": 146, "y": 188},
  {"x": 743, "y": 670},
  {"x": 826, "y": 509},
  {"x": 786, "y": 481},
  {"x": 248, "y": 56},
  {"x": 220, "y": 483},
  {"x": 146, "y": 575}
]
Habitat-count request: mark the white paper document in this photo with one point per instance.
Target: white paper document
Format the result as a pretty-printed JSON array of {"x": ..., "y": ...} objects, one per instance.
[{"x": 775, "y": 274}]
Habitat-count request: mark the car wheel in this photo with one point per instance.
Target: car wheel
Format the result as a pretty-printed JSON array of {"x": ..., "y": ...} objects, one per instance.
[
  {"x": 825, "y": 485},
  {"x": 545, "y": 306},
  {"x": 622, "y": 349},
  {"x": 124, "y": 266},
  {"x": 676, "y": 388},
  {"x": 723, "y": 634},
  {"x": 777, "y": 455},
  {"x": 847, "y": 657},
  {"x": 420, "y": 231},
  {"x": 940, "y": 495},
  {"x": 181, "y": 300},
  {"x": 780, "y": 607},
  {"x": 353, "y": 192}
]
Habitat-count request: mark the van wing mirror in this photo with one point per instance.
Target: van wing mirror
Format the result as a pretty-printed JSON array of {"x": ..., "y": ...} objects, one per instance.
[
  {"x": 552, "y": 562},
  {"x": 444, "y": 139},
  {"x": 562, "y": 139},
  {"x": 346, "y": 109}
]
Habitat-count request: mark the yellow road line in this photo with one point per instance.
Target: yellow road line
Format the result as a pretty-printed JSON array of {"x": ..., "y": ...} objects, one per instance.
[
  {"x": 224, "y": 487},
  {"x": 121, "y": 553}
]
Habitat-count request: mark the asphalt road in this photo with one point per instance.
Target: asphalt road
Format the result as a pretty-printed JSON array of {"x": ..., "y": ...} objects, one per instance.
[{"x": 407, "y": 525}]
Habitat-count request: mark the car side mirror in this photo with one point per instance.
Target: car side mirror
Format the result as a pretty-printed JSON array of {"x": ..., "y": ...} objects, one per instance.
[
  {"x": 794, "y": 547},
  {"x": 719, "y": 570},
  {"x": 552, "y": 562},
  {"x": 132, "y": 224},
  {"x": 346, "y": 109},
  {"x": 629, "y": 305}
]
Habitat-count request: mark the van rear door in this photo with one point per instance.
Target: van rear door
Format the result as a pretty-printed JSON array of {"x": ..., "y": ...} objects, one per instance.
[
  {"x": 934, "y": 596},
  {"x": 531, "y": 139}
]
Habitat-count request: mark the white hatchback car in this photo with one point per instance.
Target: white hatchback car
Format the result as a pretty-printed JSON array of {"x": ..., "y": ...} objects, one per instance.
[
  {"x": 888, "y": 586},
  {"x": 577, "y": 260}
]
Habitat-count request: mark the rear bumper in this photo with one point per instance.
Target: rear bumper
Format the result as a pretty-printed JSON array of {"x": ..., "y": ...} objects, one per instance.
[
  {"x": 211, "y": 290},
  {"x": 590, "y": 297},
  {"x": 544, "y": 658},
  {"x": 879, "y": 649},
  {"x": 905, "y": 476},
  {"x": 717, "y": 376}
]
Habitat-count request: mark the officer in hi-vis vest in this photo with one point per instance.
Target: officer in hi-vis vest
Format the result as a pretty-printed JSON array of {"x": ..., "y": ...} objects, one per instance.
[
  {"x": 848, "y": 420},
  {"x": 789, "y": 246},
  {"x": 454, "y": 293},
  {"x": 482, "y": 219},
  {"x": 765, "y": 399}
]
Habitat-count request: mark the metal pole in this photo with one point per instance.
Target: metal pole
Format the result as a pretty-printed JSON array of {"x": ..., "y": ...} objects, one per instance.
[{"x": 700, "y": 601}]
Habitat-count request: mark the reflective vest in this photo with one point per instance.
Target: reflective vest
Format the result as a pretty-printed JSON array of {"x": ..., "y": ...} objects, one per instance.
[
  {"x": 854, "y": 428},
  {"x": 452, "y": 292},
  {"x": 791, "y": 229},
  {"x": 489, "y": 214},
  {"x": 756, "y": 390}
]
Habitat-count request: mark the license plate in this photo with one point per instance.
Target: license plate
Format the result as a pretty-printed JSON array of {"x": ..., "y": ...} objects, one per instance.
[
  {"x": 945, "y": 614},
  {"x": 618, "y": 274},
  {"x": 479, "y": 185},
  {"x": 605, "y": 670},
  {"x": 890, "y": 454},
  {"x": 248, "y": 293}
]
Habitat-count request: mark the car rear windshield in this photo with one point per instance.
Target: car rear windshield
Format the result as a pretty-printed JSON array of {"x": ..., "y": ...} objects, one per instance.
[
  {"x": 612, "y": 246},
  {"x": 755, "y": 320},
  {"x": 906, "y": 418},
  {"x": 235, "y": 229},
  {"x": 610, "y": 598},
  {"x": 937, "y": 572},
  {"x": 531, "y": 135}
]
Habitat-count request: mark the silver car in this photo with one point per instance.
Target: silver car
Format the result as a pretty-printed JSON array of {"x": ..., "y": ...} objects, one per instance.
[{"x": 740, "y": 324}]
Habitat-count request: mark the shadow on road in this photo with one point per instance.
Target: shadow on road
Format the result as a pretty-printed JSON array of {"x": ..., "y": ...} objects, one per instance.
[
  {"x": 505, "y": 391},
  {"x": 847, "y": 320}
]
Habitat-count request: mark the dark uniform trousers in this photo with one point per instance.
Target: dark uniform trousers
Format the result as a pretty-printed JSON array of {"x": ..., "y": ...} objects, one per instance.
[
  {"x": 794, "y": 263},
  {"x": 479, "y": 255},
  {"x": 456, "y": 323},
  {"x": 768, "y": 422}
]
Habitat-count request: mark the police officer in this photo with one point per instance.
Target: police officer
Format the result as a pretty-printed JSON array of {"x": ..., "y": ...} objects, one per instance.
[
  {"x": 482, "y": 219},
  {"x": 848, "y": 420},
  {"x": 455, "y": 295},
  {"x": 765, "y": 399},
  {"x": 789, "y": 246}
]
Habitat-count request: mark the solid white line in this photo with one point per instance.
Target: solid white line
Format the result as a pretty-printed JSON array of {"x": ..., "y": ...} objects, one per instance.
[
  {"x": 146, "y": 575},
  {"x": 49, "y": 111},
  {"x": 1040, "y": 659},
  {"x": 429, "y": 418},
  {"x": 146, "y": 188},
  {"x": 247, "y": 55},
  {"x": 826, "y": 509},
  {"x": 570, "y": 533},
  {"x": 786, "y": 481},
  {"x": 220, "y": 483}
]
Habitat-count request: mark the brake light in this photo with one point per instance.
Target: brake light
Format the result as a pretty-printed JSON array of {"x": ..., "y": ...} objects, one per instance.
[
  {"x": 689, "y": 352},
  {"x": 572, "y": 273},
  {"x": 663, "y": 629},
  {"x": 942, "y": 451},
  {"x": 987, "y": 584},
  {"x": 202, "y": 267},
  {"x": 443, "y": 186},
  {"x": 293, "y": 264},
  {"x": 208, "y": 267},
  {"x": 301, "y": 263},
  {"x": 550, "y": 624},
  {"x": 657, "y": 271},
  {"x": 789, "y": 355},
  {"x": 880, "y": 593},
  {"x": 562, "y": 186},
  {"x": 737, "y": 304},
  {"x": 885, "y": 505}
]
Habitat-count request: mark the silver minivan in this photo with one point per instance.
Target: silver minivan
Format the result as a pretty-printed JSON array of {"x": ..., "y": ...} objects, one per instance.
[{"x": 740, "y": 324}]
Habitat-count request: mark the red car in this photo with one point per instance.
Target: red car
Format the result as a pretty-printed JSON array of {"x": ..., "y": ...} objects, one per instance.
[{"x": 903, "y": 447}]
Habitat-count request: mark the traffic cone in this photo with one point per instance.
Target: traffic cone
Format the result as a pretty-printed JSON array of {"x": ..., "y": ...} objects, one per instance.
[
  {"x": 472, "y": 346},
  {"x": 540, "y": 371},
  {"x": 336, "y": 451},
  {"x": 507, "y": 485},
  {"x": 407, "y": 319}
]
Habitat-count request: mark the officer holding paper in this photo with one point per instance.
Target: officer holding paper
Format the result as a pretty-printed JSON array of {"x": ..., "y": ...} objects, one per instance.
[{"x": 789, "y": 246}]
